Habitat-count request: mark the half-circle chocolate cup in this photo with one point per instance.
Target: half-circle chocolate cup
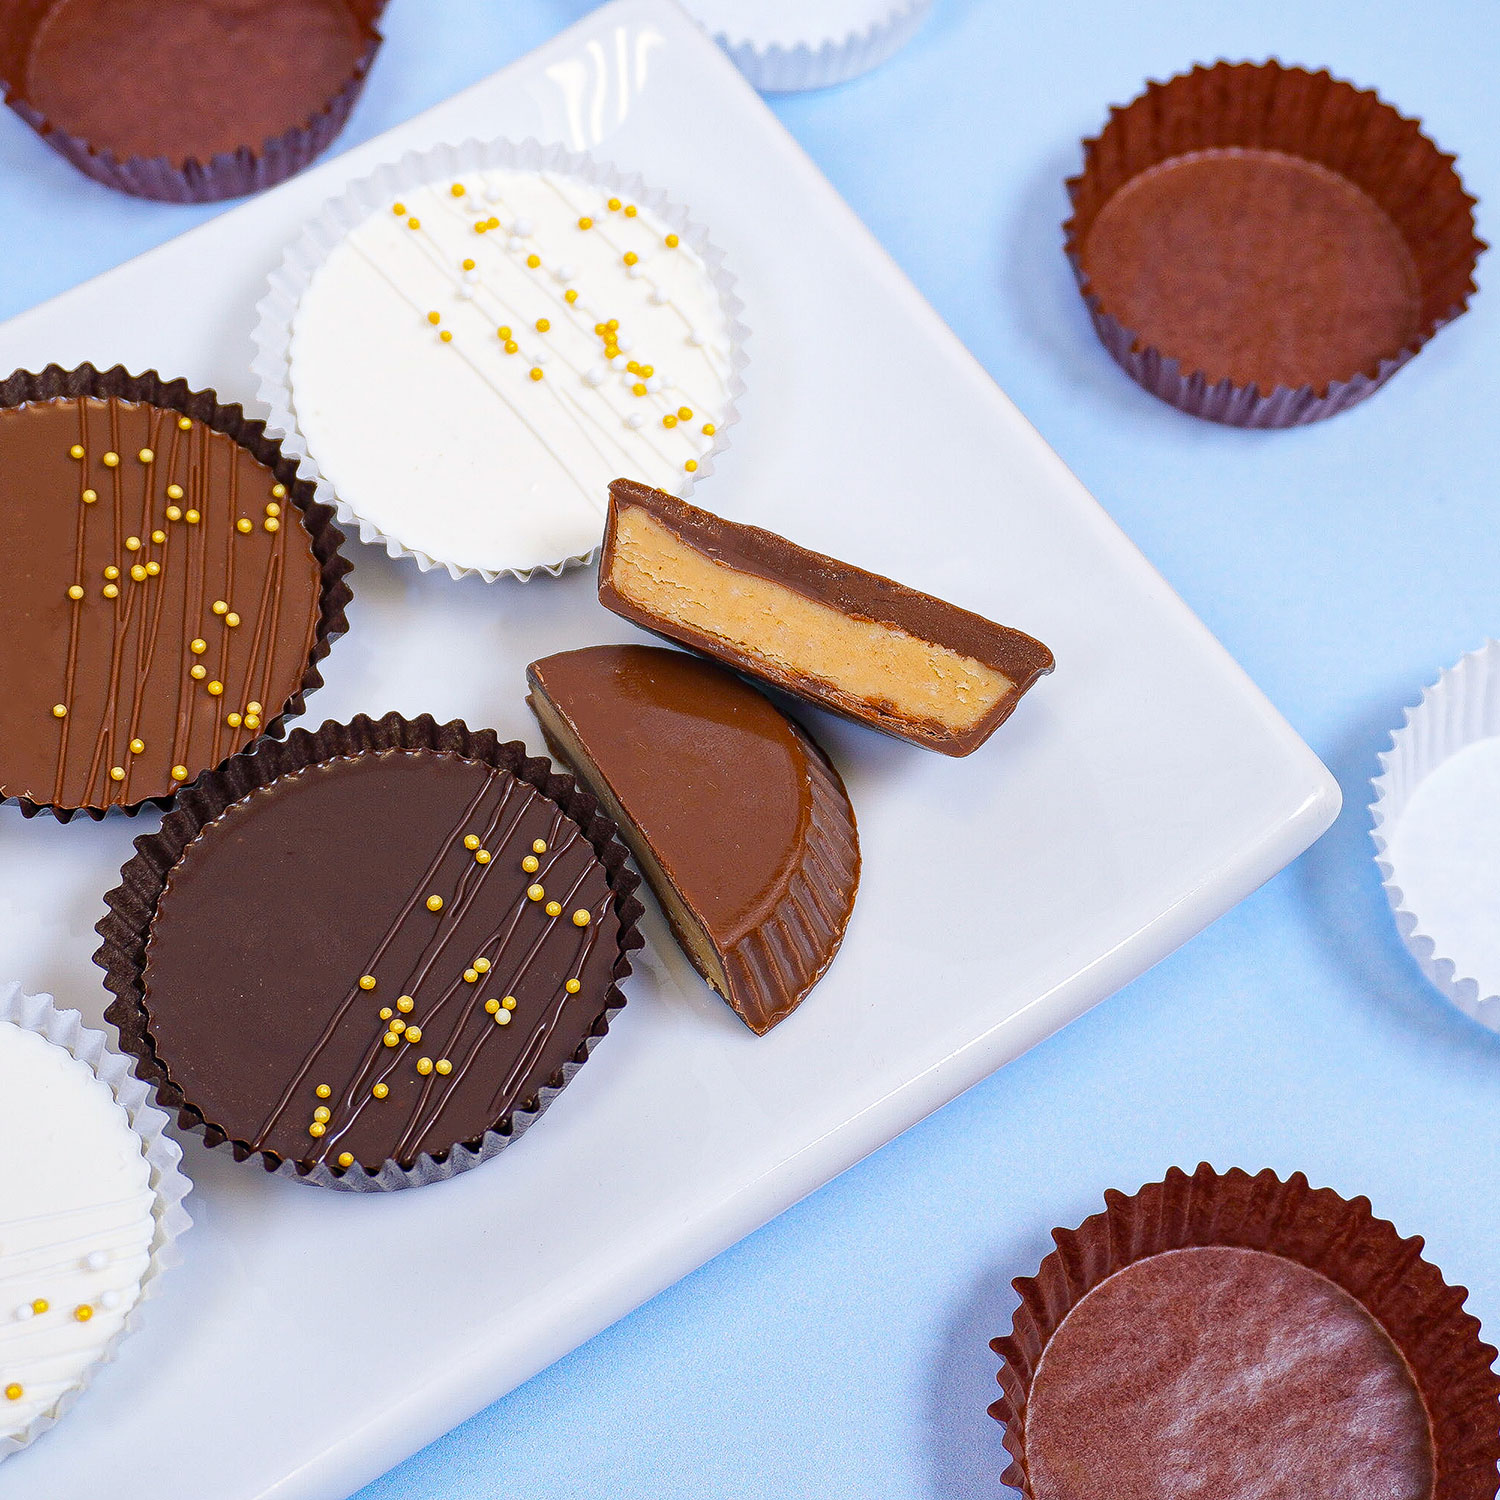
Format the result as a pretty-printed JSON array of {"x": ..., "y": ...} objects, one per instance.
[
  {"x": 132, "y": 908},
  {"x": 22, "y": 387},
  {"x": 204, "y": 176},
  {"x": 1434, "y": 1344},
  {"x": 1265, "y": 246}
]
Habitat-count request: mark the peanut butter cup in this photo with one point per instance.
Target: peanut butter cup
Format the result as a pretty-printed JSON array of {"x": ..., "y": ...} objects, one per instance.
[
  {"x": 173, "y": 587},
  {"x": 737, "y": 819},
  {"x": 850, "y": 641}
]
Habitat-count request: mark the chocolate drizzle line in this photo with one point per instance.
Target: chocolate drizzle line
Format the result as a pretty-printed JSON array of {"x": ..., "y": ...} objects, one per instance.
[
  {"x": 131, "y": 908},
  {"x": 203, "y": 407}
]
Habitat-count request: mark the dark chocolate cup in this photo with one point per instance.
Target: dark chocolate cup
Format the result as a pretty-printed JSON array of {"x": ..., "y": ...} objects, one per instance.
[
  {"x": 1317, "y": 118},
  {"x": 23, "y": 386},
  {"x": 1339, "y": 1238},
  {"x": 249, "y": 168},
  {"x": 131, "y": 910}
]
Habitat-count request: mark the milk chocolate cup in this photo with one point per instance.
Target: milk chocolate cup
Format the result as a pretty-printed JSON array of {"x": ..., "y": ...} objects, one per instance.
[
  {"x": 23, "y": 386},
  {"x": 1338, "y": 1238},
  {"x": 131, "y": 909},
  {"x": 250, "y": 167},
  {"x": 1264, "y": 246}
]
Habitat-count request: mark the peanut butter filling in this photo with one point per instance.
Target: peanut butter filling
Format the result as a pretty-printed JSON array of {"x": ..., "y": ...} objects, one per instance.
[{"x": 867, "y": 660}]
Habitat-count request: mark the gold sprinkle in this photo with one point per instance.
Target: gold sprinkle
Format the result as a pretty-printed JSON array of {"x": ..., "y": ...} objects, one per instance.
[
  {"x": 511, "y": 346},
  {"x": 502, "y": 1018},
  {"x": 40, "y": 1306},
  {"x": 146, "y": 456},
  {"x": 317, "y": 1128},
  {"x": 14, "y": 1391},
  {"x": 59, "y": 710},
  {"x": 244, "y": 525},
  {"x": 533, "y": 261},
  {"x": 83, "y": 1312},
  {"x": 198, "y": 646},
  {"x": 139, "y": 573},
  {"x": 398, "y": 209},
  {"x": 192, "y": 517},
  {"x": 672, "y": 242},
  {"x": 669, "y": 420},
  {"x": 446, "y": 337},
  {"x": 271, "y": 523},
  {"x": 272, "y": 508},
  {"x": 572, "y": 986},
  {"x": 582, "y": 918},
  {"x": 392, "y": 1039},
  {"x": 179, "y": 773},
  {"x": 534, "y": 893},
  {"x": 220, "y": 607},
  {"x": 414, "y": 1033},
  {"x": 252, "y": 707},
  {"x": 443, "y": 1066},
  {"x": 252, "y": 721},
  {"x": 468, "y": 265},
  {"x": 585, "y": 222},
  {"x": 539, "y": 846},
  {"x": 232, "y": 720},
  {"x": 691, "y": 466},
  {"x": 406, "y": 1004},
  {"x": 531, "y": 864},
  {"x": 630, "y": 257},
  {"x": 185, "y": 423},
  {"x": 75, "y": 591},
  {"x": 117, "y": 773},
  {"x": 216, "y": 688},
  {"x": 414, "y": 223},
  {"x": 434, "y": 903},
  {"x": 76, "y": 451},
  {"x": 424, "y": 1066},
  {"x": 278, "y": 492},
  {"x": 158, "y": 537},
  {"x": 386, "y": 1013},
  {"x": 503, "y": 331},
  {"x": 614, "y": 205},
  {"x": 482, "y": 857},
  {"x": 648, "y": 371},
  {"x": 685, "y": 413},
  {"x": 457, "y": 190},
  {"x": 638, "y": 389},
  {"x": 482, "y": 964},
  {"x": 570, "y": 296},
  {"x": 322, "y": 1112},
  {"x": 89, "y": 496},
  {"x": 111, "y": 571},
  {"x": 111, "y": 591},
  {"x": 132, "y": 544},
  {"x": 709, "y": 429},
  {"x": 471, "y": 976},
  {"x": 111, "y": 460},
  {"x": 471, "y": 841},
  {"x": 398, "y": 1025},
  {"x": 492, "y": 1006},
  {"x": 543, "y": 325},
  {"x": 197, "y": 671},
  {"x": 434, "y": 318},
  {"x": 323, "y": 1091},
  {"x": 367, "y": 981},
  {"x": 509, "y": 1002},
  {"x": 174, "y": 512},
  {"x": 231, "y": 619},
  {"x": 536, "y": 374},
  {"x": 380, "y": 1091},
  {"x": 630, "y": 210},
  {"x": 137, "y": 747},
  {"x": 346, "y": 1158},
  {"x": 554, "y": 909}
]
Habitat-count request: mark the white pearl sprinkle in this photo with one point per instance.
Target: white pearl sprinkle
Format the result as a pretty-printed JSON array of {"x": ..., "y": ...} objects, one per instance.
[
  {"x": 566, "y": 274},
  {"x": 471, "y": 205},
  {"x": 95, "y": 1260},
  {"x": 594, "y": 375},
  {"x": 467, "y": 293},
  {"x": 514, "y": 242},
  {"x": 618, "y": 362},
  {"x": 25, "y": 1312},
  {"x": 523, "y": 226},
  {"x": 660, "y": 296},
  {"x": 109, "y": 1300},
  {"x": 695, "y": 339},
  {"x": 636, "y": 271},
  {"x": 654, "y": 384},
  {"x": 539, "y": 358},
  {"x": 471, "y": 277},
  {"x": 492, "y": 195},
  {"x": 635, "y": 420},
  {"x": 624, "y": 343}
]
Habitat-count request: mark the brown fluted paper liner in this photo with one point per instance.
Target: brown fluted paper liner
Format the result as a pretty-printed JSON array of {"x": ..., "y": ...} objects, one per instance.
[
  {"x": 132, "y": 905},
  {"x": 23, "y": 386},
  {"x": 251, "y": 167},
  {"x": 1339, "y": 1238},
  {"x": 1271, "y": 199}
]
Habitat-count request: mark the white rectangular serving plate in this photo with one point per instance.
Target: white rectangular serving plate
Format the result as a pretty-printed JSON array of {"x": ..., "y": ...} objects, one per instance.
[{"x": 313, "y": 1339}]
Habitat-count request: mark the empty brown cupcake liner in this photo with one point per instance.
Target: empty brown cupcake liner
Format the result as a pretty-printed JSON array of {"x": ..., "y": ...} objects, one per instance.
[
  {"x": 1339, "y": 1238},
  {"x": 250, "y": 168},
  {"x": 23, "y": 386},
  {"x": 1309, "y": 115},
  {"x": 132, "y": 906}
]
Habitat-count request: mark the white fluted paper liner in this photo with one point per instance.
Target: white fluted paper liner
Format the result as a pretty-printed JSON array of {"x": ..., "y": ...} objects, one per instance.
[
  {"x": 272, "y": 335},
  {"x": 791, "y": 45},
  {"x": 1459, "y": 712},
  {"x": 65, "y": 1029}
]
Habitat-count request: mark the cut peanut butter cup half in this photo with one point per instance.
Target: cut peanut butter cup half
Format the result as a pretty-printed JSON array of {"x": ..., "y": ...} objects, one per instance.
[
  {"x": 736, "y": 818},
  {"x": 861, "y": 645}
]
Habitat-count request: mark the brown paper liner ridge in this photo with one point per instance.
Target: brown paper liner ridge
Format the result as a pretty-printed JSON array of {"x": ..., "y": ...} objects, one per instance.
[
  {"x": 250, "y": 168},
  {"x": 24, "y": 386},
  {"x": 1339, "y": 1238},
  {"x": 131, "y": 906},
  {"x": 1319, "y": 118}
]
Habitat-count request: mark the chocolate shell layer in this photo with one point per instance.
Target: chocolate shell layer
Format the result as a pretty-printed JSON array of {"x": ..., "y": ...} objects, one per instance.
[
  {"x": 163, "y": 604},
  {"x": 854, "y": 642},
  {"x": 378, "y": 957},
  {"x": 183, "y": 80},
  {"x": 735, "y": 816},
  {"x": 1226, "y": 1372}
]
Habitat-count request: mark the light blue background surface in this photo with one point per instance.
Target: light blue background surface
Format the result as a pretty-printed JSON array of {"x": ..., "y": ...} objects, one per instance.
[{"x": 842, "y": 1350}]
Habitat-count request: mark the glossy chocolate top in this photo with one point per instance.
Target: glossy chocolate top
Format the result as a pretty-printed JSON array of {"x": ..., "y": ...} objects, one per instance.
[
  {"x": 188, "y": 79},
  {"x": 196, "y": 609},
  {"x": 844, "y": 587},
  {"x": 1256, "y": 265},
  {"x": 1225, "y": 1374},
  {"x": 711, "y": 773},
  {"x": 361, "y": 869}
]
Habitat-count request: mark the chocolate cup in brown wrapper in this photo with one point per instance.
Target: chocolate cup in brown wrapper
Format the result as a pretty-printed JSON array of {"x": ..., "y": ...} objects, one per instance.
[
  {"x": 1234, "y": 1385},
  {"x": 133, "y": 910},
  {"x": 1265, "y": 246},
  {"x": 151, "y": 101},
  {"x": 24, "y": 387}
]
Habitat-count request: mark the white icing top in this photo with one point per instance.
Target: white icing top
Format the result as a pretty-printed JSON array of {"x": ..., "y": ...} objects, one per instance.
[
  {"x": 75, "y": 1222},
  {"x": 791, "y": 23},
  {"x": 475, "y": 414}
]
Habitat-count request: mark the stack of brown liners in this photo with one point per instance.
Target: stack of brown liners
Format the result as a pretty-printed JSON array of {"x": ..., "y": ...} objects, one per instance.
[
  {"x": 176, "y": 587},
  {"x": 1265, "y": 246},
  {"x": 187, "y": 100},
  {"x": 854, "y": 642},
  {"x": 739, "y": 821}
]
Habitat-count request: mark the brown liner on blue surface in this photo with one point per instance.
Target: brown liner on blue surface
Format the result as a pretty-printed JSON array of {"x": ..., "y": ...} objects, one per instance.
[
  {"x": 132, "y": 906},
  {"x": 1339, "y": 1238},
  {"x": 1312, "y": 116},
  {"x": 250, "y": 168},
  {"x": 23, "y": 386}
]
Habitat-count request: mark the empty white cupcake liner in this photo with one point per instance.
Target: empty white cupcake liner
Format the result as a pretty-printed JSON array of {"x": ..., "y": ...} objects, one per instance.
[
  {"x": 272, "y": 335},
  {"x": 819, "y": 59},
  {"x": 1462, "y": 708},
  {"x": 65, "y": 1029}
]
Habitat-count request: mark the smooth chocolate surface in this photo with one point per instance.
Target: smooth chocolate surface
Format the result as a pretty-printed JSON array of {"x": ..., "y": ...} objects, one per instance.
[
  {"x": 327, "y": 877},
  {"x": 1224, "y": 1374},
  {"x": 735, "y": 816},
  {"x": 851, "y": 615},
  {"x": 188, "y": 79},
  {"x": 197, "y": 609},
  {"x": 1257, "y": 265}
]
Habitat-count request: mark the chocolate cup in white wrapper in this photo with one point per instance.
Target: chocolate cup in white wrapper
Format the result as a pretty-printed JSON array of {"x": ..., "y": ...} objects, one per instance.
[
  {"x": 1436, "y": 827},
  {"x": 786, "y": 46},
  {"x": 275, "y": 331},
  {"x": 169, "y": 1186}
]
